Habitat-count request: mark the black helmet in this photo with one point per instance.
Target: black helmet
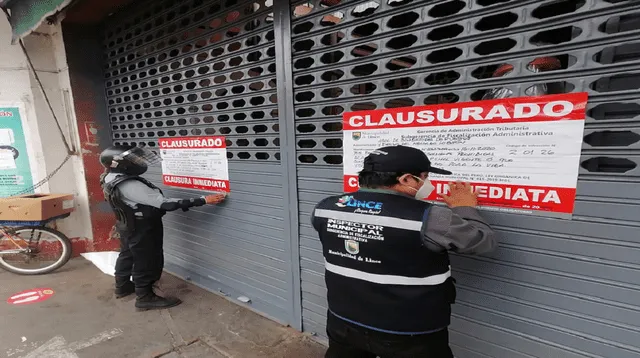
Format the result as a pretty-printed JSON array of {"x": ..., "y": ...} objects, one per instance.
[{"x": 128, "y": 159}]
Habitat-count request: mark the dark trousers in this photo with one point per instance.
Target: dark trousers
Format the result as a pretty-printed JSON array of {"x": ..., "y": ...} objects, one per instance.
[
  {"x": 141, "y": 254},
  {"x": 348, "y": 340}
]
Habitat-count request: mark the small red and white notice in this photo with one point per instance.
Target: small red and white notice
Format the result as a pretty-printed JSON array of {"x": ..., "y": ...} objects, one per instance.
[
  {"x": 195, "y": 163},
  {"x": 521, "y": 155}
]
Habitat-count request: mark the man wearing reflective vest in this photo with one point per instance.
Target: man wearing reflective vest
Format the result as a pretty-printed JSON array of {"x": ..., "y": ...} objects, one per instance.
[{"x": 387, "y": 269}]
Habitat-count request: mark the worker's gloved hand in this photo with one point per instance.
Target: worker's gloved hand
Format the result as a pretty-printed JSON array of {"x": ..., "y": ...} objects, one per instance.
[
  {"x": 214, "y": 199},
  {"x": 460, "y": 194}
]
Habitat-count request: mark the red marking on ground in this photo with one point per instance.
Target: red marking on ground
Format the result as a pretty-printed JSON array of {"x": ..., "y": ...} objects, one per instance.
[{"x": 30, "y": 296}]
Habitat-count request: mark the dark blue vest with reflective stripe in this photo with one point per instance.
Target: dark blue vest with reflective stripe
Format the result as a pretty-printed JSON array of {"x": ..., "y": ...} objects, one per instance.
[{"x": 378, "y": 272}]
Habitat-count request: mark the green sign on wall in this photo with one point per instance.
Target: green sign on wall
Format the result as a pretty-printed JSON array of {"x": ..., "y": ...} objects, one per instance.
[{"x": 15, "y": 167}]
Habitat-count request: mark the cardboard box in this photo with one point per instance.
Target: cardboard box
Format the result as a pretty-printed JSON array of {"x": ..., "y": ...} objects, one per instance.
[{"x": 36, "y": 207}]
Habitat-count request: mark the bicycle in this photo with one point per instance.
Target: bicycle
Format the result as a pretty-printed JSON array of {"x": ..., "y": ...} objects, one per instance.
[{"x": 20, "y": 243}]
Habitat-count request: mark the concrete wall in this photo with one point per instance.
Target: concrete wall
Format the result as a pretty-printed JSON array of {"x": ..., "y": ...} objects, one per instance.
[{"x": 17, "y": 84}]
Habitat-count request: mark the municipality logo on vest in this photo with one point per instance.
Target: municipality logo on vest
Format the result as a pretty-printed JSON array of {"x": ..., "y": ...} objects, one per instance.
[
  {"x": 360, "y": 206},
  {"x": 350, "y": 201},
  {"x": 352, "y": 247}
]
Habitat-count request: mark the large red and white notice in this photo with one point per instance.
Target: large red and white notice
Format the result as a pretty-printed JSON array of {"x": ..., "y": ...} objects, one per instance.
[
  {"x": 521, "y": 155},
  {"x": 195, "y": 163}
]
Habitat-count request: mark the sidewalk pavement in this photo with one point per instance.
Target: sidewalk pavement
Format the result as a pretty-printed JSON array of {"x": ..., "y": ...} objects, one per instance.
[{"x": 82, "y": 319}]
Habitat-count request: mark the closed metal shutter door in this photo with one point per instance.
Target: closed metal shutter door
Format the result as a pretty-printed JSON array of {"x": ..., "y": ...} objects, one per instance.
[
  {"x": 183, "y": 68},
  {"x": 554, "y": 288}
]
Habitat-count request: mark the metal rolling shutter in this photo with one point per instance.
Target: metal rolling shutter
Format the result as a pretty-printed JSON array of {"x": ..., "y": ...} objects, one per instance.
[
  {"x": 183, "y": 68},
  {"x": 554, "y": 288}
]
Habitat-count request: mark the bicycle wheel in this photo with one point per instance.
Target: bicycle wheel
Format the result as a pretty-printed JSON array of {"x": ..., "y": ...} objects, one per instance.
[{"x": 34, "y": 250}]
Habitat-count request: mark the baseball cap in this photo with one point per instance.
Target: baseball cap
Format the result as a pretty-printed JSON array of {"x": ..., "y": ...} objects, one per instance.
[{"x": 400, "y": 159}]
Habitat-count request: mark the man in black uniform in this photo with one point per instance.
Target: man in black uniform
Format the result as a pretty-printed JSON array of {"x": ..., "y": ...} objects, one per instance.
[
  {"x": 387, "y": 269},
  {"x": 139, "y": 207}
]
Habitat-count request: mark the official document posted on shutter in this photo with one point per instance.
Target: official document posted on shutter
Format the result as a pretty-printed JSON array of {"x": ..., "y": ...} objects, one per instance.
[
  {"x": 521, "y": 155},
  {"x": 195, "y": 163}
]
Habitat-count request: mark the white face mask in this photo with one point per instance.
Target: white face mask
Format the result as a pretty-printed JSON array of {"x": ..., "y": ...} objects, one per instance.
[{"x": 425, "y": 190}]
